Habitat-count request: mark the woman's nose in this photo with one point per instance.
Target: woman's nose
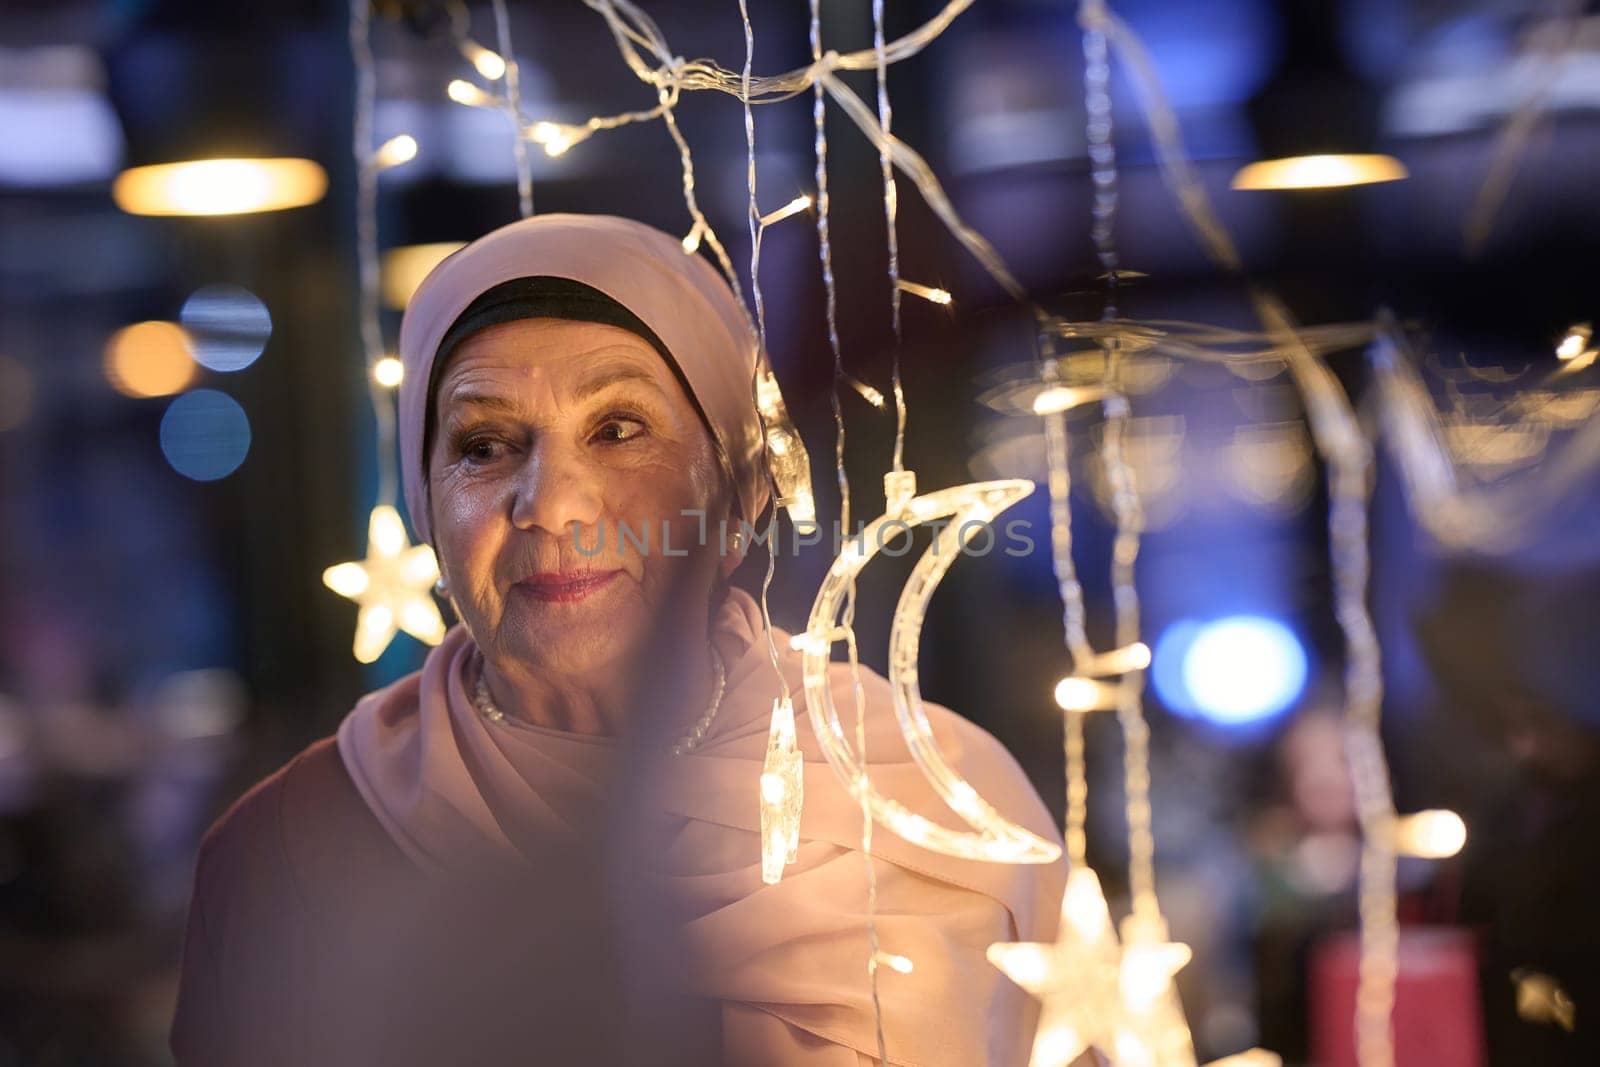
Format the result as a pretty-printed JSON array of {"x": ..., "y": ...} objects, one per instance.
[{"x": 555, "y": 489}]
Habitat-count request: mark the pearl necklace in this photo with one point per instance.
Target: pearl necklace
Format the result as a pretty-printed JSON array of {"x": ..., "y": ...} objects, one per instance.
[{"x": 696, "y": 734}]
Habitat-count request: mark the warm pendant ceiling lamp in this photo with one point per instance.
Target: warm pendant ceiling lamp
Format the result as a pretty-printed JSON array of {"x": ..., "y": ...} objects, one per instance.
[
  {"x": 1316, "y": 118},
  {"x": 1325, "y": 171},
  {"x": 219, "y": 186},
  {"x": 224, "y": 116}
]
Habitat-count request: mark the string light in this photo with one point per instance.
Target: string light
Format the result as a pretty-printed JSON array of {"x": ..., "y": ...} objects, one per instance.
[
  {"x": 512, "y": 80},
  {"x": 1540, "y": 999},
  {"x": 1085, "y": 694},
  {"x": 1337, "y": 436},
  {"x": 488, "y": 63},
  {"x": 1052, "y": 400},
  {"x": 1334, "y": 433},
  {"x": 392, "y": 584},
  {"x": 395, "y": 151},
  {"x": 691, "y": 243},
  {"x": 464, "y": 92},
  {"x": 1433, "y": 835},
  {"x": 388, "y": 372},
  {"x": 788, "y": 462},
  {"x": 1551, "y": 43},
  {"x": 898, "y": 964},
  {"x": 936, "y": 296},
  {"x": 782, "y": 794},
  {"x": 867, "y": 392},
  {"x": 1575, "y": 342},
  {"x": 793, "y": 207}
]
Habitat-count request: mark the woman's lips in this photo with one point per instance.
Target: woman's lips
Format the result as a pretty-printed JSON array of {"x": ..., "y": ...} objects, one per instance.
[{"x": 564, "y": 586}]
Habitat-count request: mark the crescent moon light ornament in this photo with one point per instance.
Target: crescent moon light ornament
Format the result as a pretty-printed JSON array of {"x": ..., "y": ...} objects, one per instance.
[{"x": 969, "y": 509}]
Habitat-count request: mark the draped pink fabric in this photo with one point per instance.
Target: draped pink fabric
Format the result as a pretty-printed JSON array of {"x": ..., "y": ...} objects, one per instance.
[{"x": 787, "y": 961}]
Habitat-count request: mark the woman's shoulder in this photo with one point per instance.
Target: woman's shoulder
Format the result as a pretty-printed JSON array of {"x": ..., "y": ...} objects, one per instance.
[{"x": 295, "y": 827}]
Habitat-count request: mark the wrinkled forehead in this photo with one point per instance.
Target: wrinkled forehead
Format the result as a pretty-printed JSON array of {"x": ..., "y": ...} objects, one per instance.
[{"x": 567, "y": 359}]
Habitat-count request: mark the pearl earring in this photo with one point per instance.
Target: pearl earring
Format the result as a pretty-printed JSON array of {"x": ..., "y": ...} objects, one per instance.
[{"x": 442, "y": 587}]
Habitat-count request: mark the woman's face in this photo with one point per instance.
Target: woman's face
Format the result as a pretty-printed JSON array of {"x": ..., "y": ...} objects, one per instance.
[{"x": 551, "y": 436}]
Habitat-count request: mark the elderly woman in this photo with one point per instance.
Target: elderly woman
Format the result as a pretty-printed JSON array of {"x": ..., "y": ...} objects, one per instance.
[{"x": 544, "y": 846}]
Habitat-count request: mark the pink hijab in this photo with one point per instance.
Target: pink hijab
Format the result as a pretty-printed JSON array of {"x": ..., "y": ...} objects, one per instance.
[
  {"x": 786, "y": 961},
  {"x": 678, "y": 295}
]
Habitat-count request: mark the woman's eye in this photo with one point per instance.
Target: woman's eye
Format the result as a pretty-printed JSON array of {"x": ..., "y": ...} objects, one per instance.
[
  {"x": 619, "y": 429},
  {"x": 479, "y": 449}
]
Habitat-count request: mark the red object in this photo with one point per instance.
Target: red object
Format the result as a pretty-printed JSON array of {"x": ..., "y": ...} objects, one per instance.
[{"x": 1437, "y": 1020}]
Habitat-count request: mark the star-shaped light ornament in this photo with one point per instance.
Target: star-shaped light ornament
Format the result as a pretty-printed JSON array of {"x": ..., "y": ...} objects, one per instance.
[
  {"x": 392, "y": 586},
  {"x": 1097, "y": 993}
]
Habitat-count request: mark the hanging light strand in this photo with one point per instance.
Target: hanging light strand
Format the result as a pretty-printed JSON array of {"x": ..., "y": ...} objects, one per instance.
[
  {"x": 891, "y": 214},
  {"x": 1126, "y": 507},
  {"x": 1348, "y": 456},
  {"x": 1070, "y": 590},
  {"x": 753, "y": 213},
  {"x": 1338, "y": 439},
  {"x": 512, "y": 79},
  {"x": 368, "y": 164},
  {"x": 819, "y": 103},
  {"x": 632, "y": 30}
]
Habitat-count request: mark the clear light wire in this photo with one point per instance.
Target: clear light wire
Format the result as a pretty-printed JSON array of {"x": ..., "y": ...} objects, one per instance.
[
  {"x": 819, "y": 102},
  {"x": 367, "y": 168},
  {"x": 891, "y": 214},
  {"x": 754, "y": 214},
  {"x": 1126, "y": 507},
  {"x": 513, "y": 104},
  {"x": 1512, "y": 138},
  {"x": 1347, "y": 455}
]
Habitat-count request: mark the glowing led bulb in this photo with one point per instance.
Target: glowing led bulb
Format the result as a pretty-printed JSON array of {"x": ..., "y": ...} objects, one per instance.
[
  {"x": 1433, "y": 834},
  {"x": 1064, "y": 398},
  {"x": 898, "y": 964},
  {"x": 488, "y": 63},
  {"x": 464, "y": 92},
  {"x": 868, "y": 393},
  {"x": 1575, "y": 341},
  {"x": 782, "y": 794},
  {"x": 788, "y": 460},
  {"x": 691, "y": 242},
  {"x": 936, "y": 296},
  {"x": 388, "y": 372},
  {"x": 1085, "y": 694},
  {"x": 395, "y": 151},
  {"x": 793, "y": 207}
]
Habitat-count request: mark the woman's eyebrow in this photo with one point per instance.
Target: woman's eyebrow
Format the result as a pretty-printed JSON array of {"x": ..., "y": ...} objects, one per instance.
[
  {"x": 603, "y": 376},
  {"x": 606, "y": 376},
  {"x": 485, "y": 400}
]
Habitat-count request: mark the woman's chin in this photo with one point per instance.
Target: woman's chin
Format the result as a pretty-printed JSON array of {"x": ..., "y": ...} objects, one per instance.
[{"x": 573, "y": 636}]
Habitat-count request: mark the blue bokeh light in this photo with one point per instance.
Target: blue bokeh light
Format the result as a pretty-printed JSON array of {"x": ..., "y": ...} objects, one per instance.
[
  {"x": 228, "y": 326},
  {"x": 1231, "y": 671},
  {"x": 205, "y": 435}
]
